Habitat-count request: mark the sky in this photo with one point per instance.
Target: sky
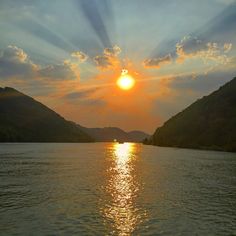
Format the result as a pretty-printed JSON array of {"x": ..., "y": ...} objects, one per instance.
[{"x": 69, "y": 55}]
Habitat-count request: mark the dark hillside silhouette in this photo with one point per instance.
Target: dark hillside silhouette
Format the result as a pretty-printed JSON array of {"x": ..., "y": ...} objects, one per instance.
[{"x": 209, "y": 123}]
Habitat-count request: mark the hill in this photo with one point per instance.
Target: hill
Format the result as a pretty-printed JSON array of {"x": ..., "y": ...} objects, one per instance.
[
  {"x": 209, "y": 123},
  {"x": 108, "y": 134},
  {"x": 22, "y": 119}
]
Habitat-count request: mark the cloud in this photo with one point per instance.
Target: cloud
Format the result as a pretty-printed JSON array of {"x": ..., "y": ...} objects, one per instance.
[
  {"x": 157, "y": 62},
  {"x": 190, "y": 47},
  {"x": 85, "y": 97},
  {"x": 15, "y": 54},
  {"x": 64, "y": 71},
  {"x": 193, "y": 48},
  {"x": 81, "y": 94},
  {"x": 80, "y": 55},
  {"x": 103, "y": 62},
  {"x": 109, "y": 59},
  {"x": 227, "y": 47},
  {"x": 113, "y": 52},
  {"x": 15, "y": 62},
  {"x": 216, "y": 29}
]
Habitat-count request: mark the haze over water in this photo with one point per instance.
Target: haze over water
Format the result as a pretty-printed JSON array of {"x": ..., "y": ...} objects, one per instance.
[{"x": 115, "y": 189}]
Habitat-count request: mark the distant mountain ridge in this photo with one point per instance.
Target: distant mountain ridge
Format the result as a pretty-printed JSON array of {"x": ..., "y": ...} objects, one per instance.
[
  {"x": 209, "y": 123},
  {"x": 108, "y": 134},
  {"x": 23, "y": 119}
]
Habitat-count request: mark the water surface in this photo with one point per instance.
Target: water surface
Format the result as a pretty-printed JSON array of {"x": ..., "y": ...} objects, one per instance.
[{"x": 115, "y": 189}]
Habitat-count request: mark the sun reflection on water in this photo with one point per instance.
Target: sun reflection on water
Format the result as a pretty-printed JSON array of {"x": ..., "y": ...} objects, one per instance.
[{"x": 122, "y": 187}]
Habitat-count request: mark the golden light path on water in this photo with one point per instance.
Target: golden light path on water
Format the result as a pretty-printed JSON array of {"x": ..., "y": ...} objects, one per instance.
[{"x": 123, "y": 188}]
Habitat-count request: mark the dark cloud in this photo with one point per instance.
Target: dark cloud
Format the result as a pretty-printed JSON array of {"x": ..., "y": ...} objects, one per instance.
[
  {"x": 103, "y": 62},
  {"x": 15, "y": 62},
  {"x": 191, "y": 45},
  {"x": 109, "y": 59},
  {"x": 157, "y": 62},
  {"x": 63, "y": 71}
]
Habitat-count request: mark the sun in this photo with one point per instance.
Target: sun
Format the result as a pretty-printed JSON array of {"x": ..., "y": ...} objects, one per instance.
[{"x": 125, "y": 81}]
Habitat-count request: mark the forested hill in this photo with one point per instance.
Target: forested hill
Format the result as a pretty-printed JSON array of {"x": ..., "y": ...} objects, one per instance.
[
  {"x": 209, "y": 123},
  {"x": 23, "y": 119}
]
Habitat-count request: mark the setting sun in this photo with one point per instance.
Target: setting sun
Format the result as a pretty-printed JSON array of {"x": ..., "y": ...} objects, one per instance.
[{"x": 125, "y": 81}]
